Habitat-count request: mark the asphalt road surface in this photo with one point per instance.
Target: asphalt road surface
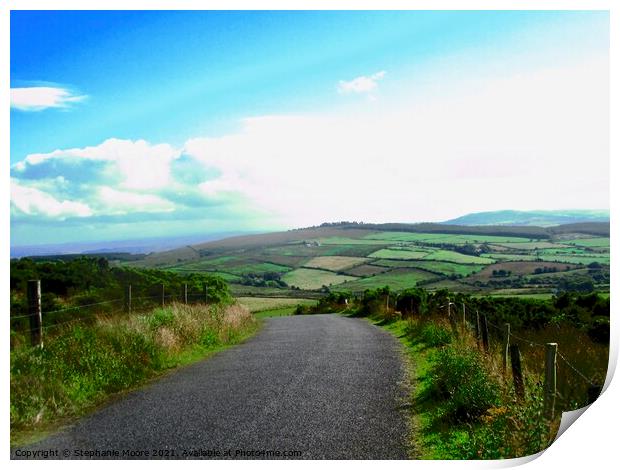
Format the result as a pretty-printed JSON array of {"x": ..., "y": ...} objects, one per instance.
[{"x": 305, "y": 387}]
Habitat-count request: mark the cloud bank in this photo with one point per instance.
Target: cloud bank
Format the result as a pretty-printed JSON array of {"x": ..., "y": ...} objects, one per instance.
[{"x": 537, "y": 140}]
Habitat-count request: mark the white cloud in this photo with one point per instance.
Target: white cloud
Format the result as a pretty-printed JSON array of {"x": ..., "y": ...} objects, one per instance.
[
  {"x": 139, "y": 165},
  {"x": 536, "y": 140},
  {"x": 40, "y": 98},
  {"x": 117, "y": 202},
  {"x": 363, "y": 84},
  {"x": 32, "y": 201}
]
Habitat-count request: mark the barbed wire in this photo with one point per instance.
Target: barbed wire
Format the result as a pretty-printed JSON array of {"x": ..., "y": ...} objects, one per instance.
[
  {"x": 81, "y": 306},
  {"x": 581, "y": 374}
]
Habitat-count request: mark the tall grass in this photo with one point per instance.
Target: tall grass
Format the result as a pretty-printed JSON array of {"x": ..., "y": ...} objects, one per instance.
[
  {"x": 82, "y": 364},
  {"x": 464, "y": 405}
]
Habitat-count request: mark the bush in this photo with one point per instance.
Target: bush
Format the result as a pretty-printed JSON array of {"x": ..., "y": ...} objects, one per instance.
[
  {"x": 435, "y": 335},
  {"x": 460, "y": 378}
]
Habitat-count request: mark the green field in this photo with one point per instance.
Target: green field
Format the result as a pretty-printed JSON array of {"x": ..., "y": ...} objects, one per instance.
[
  {"x": 589, "y": 242},
  {"x": 455, "y": 257},
  {"x": 509, "y": 257},
  {"x": 447, "y": 268},
  {"x": 398, "y": 279},
  {"x": 576, "y": 259},
  {"x": 539, "y": 245},
  {"x": 258, "y": 304},
  {"x": 335, "y": 263},
  {"x": 311, "y": 279},
  {"x": 391, "y": 253}
]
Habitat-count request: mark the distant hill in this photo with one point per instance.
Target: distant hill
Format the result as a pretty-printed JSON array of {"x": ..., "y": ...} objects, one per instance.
[{"x": 531, "y": 218}]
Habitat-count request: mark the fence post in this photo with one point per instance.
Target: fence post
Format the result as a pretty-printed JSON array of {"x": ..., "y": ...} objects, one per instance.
[
  {"x": 163, "y": 295},
  {"x": 464, "y": 322},
  {"x": 128, "y": 299},
  {"x": 551, "y": 350},
  {"x": 206, "y": 288},
  {"x": 478, "y": 328},
  {"x": 506, "y": 345},
  {"x": 517, "y": 375},
  {"x": 185, "y": 293},
  {"x": 33, "y": 294},
  {"x": 485, "y": 333}
]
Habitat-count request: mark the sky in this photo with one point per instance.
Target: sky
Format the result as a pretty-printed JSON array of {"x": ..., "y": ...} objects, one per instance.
[{"x": 142, "y": 124}]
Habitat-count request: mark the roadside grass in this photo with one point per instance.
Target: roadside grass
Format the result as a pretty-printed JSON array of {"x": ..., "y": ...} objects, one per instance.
[
  {"x": 82, "y": 365},
  {"x": 275, "y": 312},
  {"x": 260, "y": 304},
  {"x": 462, "y": 405}
]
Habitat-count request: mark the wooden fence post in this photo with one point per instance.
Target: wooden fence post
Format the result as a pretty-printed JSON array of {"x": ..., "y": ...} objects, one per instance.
[
  {"x": 128, "y": 299},
  {"x": 206, "y": 288},
  {"x": 163, "y": 295},
  {"x": 506, "y": 345},
  {"x": 551, "y": 350},
  {"x": 478, "y": 328},
  {"x": 464, "y": 321},
  {"x": 517, "y": 375},
  {"x": 485, "y": 333},
  {"x": 185, "y": 293},
  {"x": 33, "y": 294}
]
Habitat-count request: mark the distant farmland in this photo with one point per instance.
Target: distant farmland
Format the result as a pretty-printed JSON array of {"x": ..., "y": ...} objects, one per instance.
[{"x": 313, "y": 261}]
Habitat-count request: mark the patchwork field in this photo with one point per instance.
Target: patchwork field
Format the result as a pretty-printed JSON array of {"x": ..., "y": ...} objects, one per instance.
[{"x": 310, "y": 262}]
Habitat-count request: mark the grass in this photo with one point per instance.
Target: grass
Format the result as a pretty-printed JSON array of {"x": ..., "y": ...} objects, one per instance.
[
  {"x": 589, "y": 242},
  {"x": 447, "y": 268},
  {"x": 576, "y": 259},
  {"x": 305, "y": 278},
  {"x": 335, "y": 263},
  {"x": 82, "y": 365},
  {"x": 276, "y": 312},
  {"x": 461, "y": 407},
  {"x": 397, "y": 279},
  {"x": 453, "y": 256},
  {"x": 259, "y": 304},
  {"x": 391, "y": 253}
]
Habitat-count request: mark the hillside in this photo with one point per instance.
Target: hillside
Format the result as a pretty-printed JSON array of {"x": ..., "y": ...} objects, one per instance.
[
  {"x": 530, "y": 218},
  {"x": 504, "y": 260}
]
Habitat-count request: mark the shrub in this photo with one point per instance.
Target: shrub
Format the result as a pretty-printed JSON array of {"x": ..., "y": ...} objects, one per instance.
[
  {"x": 435, "y": 335},
  {"x": 460, "y": 378}
]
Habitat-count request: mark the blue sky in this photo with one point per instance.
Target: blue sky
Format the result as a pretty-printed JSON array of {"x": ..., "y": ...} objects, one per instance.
[{"x": 173, "y": 123}]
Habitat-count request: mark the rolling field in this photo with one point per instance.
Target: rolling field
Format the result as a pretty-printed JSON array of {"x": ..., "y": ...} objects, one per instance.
[
  {"x": 589, "y": 242},
  {"x": 366, "y": 270},
  {"x": 335, "y": 263},
  {"x": 398, "y": 254},
  {"x": 305, "y": 278},
  {"x": 445, "y": 255},
  {"x": 447, "y": 268},
  {"x": 398, "y": 279},
  {"x": 279, "y": 264}
]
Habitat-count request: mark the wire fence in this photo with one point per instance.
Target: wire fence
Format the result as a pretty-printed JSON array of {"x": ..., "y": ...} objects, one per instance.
[
  {"x": 38, "y": 322},
  {"x": 568, "y": 386}
]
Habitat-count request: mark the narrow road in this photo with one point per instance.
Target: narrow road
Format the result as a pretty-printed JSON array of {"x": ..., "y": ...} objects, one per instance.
[{"x": 308, "y": 387}]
